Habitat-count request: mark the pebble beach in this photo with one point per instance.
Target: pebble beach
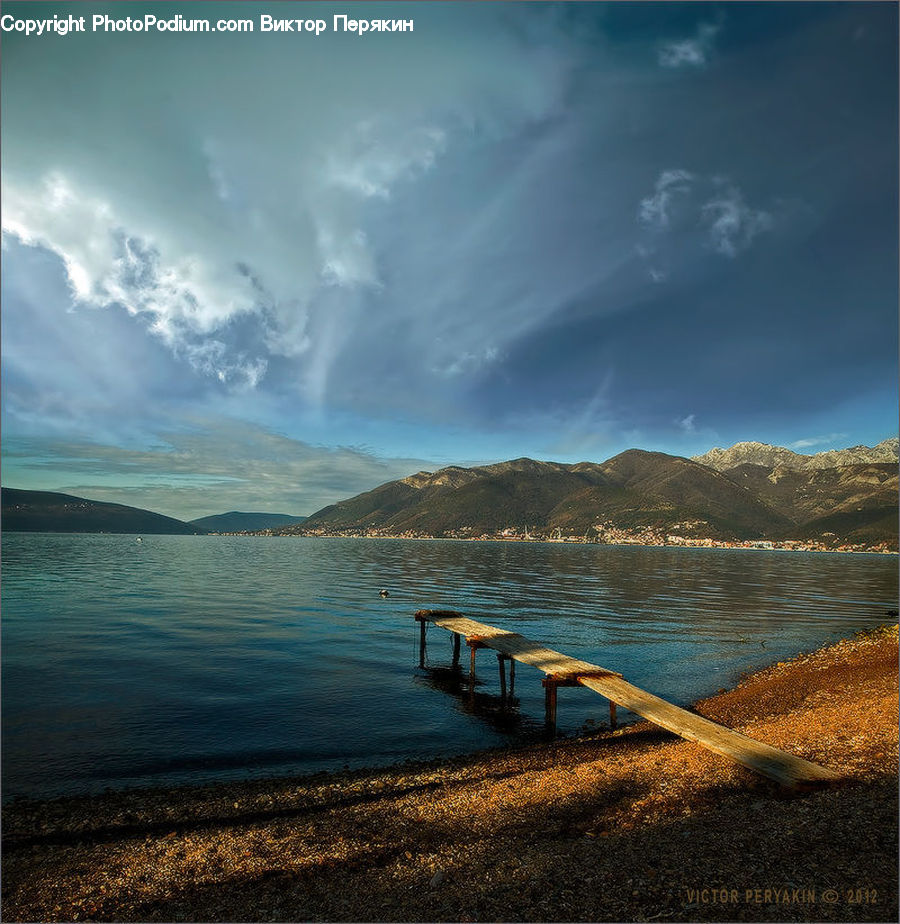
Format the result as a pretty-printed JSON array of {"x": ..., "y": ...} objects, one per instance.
[{"x": 631, "y": 825}]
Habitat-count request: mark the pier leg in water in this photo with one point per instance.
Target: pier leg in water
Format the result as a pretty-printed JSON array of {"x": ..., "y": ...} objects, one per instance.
[
  {"x": 612, "y": 715},
  {"x": 550, "y": 705},
  {"x": 474, "y": 644},
  {"x": 501, "y": 661},
  {"x": 785, "y": 768},
  {"x": 456, "y": 640},
  {"x": 422, "y": 643}
]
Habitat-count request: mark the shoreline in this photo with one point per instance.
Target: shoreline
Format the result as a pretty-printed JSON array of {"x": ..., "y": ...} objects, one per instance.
[
  {"x": 715, "y": 546},
  {"x": 630, "y": 825},
  {"x": 613, "y": 545}
]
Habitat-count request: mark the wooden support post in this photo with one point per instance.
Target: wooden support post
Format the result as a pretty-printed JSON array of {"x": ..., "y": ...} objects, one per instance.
[
  {"x": 550, "y": 705},
  {"x": 512, "y": 677},
  {"x": 472, "y": 650},
  {"x": 501, "y": 661},
  {"x": 422, "y": 625},
  {"x": 456, "y": 640},
  {"x": 785, "y": 768},
  {"x": 612, "y": 715}
]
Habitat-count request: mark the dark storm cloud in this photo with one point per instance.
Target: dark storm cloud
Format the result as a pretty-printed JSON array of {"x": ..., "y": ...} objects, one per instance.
[{"x": 572, "y": 225}]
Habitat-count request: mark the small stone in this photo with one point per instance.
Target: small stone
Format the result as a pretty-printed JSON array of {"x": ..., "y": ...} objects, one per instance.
[{"x": 437, "y": 879}]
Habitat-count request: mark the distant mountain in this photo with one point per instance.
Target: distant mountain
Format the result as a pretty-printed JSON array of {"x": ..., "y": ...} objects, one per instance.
[
  {"x": 236, "y": 522},
  {"x": 774, "y": 456},
  {"x": 49, "y": 511},
  {"x": 633, "y": 490},
  {"x": 856, "y": 502},
  {"x": 775, "y": 497}
]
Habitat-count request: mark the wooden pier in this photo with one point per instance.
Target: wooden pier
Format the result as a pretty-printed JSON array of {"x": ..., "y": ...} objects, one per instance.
[{"x": 561, "y": 670}]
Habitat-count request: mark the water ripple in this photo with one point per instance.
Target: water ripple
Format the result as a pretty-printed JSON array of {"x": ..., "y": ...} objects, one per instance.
[{"x": 184, "y": 659}]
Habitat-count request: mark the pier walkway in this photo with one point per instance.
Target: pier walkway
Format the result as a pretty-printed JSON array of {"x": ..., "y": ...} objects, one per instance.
[{"x": 561, "y": 670}]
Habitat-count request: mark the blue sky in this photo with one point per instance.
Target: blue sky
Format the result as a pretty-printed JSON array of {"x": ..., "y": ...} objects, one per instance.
[{"x": 269, "y": 271}]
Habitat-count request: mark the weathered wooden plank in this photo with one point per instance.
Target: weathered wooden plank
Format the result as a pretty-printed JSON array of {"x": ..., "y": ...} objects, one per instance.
[
  {"x": 513, "y": 644},
  {"x": 762, "y": 758},
  {"x": 787, "y": 769}
]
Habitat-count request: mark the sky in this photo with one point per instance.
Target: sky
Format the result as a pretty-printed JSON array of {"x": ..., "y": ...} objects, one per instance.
[{"x": 268, "y": 271}]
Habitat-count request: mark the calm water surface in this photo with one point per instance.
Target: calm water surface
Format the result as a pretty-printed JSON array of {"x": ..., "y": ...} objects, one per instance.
[{"x": 189, "y": 658}]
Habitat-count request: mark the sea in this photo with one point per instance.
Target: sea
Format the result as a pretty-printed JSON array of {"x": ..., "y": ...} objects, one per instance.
[{"x": 191, "y": 659}]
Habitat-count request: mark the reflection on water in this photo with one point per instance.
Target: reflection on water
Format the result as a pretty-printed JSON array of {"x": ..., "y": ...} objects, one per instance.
[
  {"x": 186, "y": 658},
  {"x": 501, "y": 713}
]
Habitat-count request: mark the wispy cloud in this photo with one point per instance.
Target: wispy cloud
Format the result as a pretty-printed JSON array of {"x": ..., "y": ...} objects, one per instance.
[
  {"x": 813, "y": 441},
  {"x": 672, "y": 187},
  {"x": 468, "y": 363},
  {"x": 212, "y": 467},
  {"x": 690, "y": 52},
  {"x": 710, "y": 210},
  {"x": 439, "y": 241},
  {"x": 587, "y": 429},
  {"x": 730, "y": 223},
  {"x": 255, "y": 223}
]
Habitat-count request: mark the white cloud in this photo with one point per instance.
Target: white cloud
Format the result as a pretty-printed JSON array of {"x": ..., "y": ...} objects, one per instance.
[
  {"x": 374, "y": 156},
  {"x": 106, "y": 262},
  {"x": 183, "y": 295},
  {"x": 254, "y": 200},
  {"x": 688, "y": 424},
  {"x": 691, "y": 52},
  {"x": 689, "y": 212},
  {"x": 469, "y": 363},
  {"x": 672, "y": 187},
  {"x": 731, "y": 223},
  {"x": 812, "y": 441}
]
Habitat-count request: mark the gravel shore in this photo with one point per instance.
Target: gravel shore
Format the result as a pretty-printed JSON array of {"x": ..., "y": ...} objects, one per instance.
[{"x": 636, "y": 825}]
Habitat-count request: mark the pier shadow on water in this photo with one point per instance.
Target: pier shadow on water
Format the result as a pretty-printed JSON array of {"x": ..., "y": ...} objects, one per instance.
[{"x": 500, "y": 712}]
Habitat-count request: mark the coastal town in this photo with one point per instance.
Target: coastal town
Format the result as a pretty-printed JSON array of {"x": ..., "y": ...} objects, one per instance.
[{"x": 686, "y": 534}]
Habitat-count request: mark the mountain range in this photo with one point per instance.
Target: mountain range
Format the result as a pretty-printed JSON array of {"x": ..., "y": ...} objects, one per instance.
[
  {"x": 777, "y": 456},
  {"x": 237, "y": 522},
  {"x": 49, "y": 511},
  {"x": 750, "y": 491},
  {"x": 633, "y": 491}
]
